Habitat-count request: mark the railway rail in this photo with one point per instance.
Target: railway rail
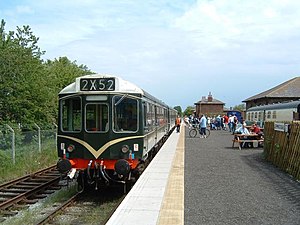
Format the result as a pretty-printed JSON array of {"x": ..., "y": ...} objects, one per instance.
[
  {"x": 19, "y": 193},
  {"x": 59, "y": 209},
  {"x": 28, "y": 189},
  {"x": 83, "y": 207}
]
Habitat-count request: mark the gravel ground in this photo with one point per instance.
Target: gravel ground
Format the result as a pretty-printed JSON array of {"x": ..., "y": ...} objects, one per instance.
[{"x": 227, "y": 186}]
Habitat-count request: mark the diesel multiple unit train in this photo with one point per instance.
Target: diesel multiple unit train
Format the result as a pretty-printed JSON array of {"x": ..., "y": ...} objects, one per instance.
[
  {"x": 109, "y": 129},
  {"x": 285, "y": 111}
]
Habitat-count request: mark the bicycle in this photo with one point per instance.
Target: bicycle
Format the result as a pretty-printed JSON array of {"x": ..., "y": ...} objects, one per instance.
[{"x": 194, "y": 130}]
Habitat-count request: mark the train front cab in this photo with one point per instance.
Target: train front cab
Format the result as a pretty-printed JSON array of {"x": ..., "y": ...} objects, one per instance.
[
  {"x": 100, "y": 135},
  {"x": 107, "y": 138}
]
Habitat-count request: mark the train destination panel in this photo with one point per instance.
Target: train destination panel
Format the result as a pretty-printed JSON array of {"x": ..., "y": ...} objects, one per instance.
[{"x": 97, "y": 84}]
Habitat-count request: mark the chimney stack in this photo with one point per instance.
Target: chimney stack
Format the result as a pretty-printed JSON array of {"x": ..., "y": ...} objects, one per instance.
[{"x": 209, "y": 98}]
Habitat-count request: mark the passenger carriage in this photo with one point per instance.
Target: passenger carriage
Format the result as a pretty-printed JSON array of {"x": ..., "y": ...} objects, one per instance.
[{"x": 285, "y": 111}]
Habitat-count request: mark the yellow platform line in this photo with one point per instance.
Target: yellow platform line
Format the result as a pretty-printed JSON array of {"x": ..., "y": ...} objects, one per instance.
[{"x": 172, "y": 209}]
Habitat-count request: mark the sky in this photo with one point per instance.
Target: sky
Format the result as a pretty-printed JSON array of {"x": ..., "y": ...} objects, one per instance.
[{"x": 177, "y": 50}]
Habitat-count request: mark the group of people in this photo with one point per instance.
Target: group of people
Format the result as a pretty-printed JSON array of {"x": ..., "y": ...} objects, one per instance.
[
  {"x": 223, "y": 122},
  {"x": 255, "y": 129},
  {"x": 202, "y": 122},
  {"x": 215, "y": 122}
]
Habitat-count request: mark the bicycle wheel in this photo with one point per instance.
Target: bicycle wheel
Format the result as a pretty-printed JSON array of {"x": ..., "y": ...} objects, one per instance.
[
  {"x": 193, "y": 132},
  {"x": 207, "y": 132}
]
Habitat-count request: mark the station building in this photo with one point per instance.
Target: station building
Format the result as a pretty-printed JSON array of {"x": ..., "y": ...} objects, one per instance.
[
  {"x": 287, "y": 91},
  {"x": 209, "y": 106}
]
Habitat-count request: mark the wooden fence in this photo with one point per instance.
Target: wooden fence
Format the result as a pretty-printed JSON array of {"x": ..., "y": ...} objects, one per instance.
[{"x": 282, "y": 146}]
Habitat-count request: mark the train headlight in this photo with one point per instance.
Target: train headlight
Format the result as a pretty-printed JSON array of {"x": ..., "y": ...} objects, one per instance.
[
  {"x": 125, "y": 148},
  {"x": 71, "y": 148}
]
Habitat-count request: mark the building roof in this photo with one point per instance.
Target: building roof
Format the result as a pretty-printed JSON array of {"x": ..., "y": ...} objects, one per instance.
[{"x": 288, "y": 89}]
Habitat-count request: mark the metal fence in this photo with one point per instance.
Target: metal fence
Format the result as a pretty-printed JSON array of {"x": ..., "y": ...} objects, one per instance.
[{"x": 14, "y": 141}]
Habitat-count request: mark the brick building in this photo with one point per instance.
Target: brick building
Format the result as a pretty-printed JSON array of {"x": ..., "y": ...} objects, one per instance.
[
  {"x": 209, "y": 106},
  {"x": 287, "y": 91}
]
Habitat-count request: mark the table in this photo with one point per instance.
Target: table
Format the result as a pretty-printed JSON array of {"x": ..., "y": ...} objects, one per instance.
[{"x": 241, "y": 139}]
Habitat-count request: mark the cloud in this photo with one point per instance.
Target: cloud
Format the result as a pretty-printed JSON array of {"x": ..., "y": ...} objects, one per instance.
[
  {"x": 24, "y": 9},
  {"x": 200, "y": 46}
]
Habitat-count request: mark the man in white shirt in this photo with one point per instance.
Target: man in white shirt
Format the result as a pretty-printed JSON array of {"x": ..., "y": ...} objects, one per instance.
[{"x": 242, "y": 130}]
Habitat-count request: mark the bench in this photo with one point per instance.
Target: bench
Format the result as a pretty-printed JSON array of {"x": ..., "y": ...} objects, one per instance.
[{"x": 241, "y": 142}]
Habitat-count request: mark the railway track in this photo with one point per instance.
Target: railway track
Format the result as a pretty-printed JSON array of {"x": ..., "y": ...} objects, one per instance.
[
  {"x": 79, "y": 209},
  {"x": 28, "y": 189},
  {"x": 58, "y": 210},
  {"x": 20, "y": 193},
  {"x": 83, "y": 208}
]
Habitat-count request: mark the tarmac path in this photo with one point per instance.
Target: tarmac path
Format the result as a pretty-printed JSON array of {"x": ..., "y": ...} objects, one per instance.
[{"x": 224, "y": 185}]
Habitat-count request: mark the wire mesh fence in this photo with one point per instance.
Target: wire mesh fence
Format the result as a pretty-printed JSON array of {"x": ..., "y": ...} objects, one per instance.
[{"x": 15, "y": 141}]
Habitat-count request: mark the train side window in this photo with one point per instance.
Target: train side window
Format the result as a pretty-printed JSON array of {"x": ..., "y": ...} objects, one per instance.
[
  {"x": 150, "y": 116},
  {"x": 71, "y": 114},
  {"x": 160, "y": 116},
  {"x": 274, "y": 115},
  {"x": 96, "y": 117},
  {"x": 165, "y": 116},
  {"x": 259, "y": 116},
  {"x": 145, "y": 121},
  {"x": 269, "y": 115},
  {"x": 152, "y": 112},
  {"x": 125, "y": 115}
]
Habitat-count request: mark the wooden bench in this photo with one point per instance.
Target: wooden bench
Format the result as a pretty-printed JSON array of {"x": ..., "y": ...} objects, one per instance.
[{"x": 241, "y": 142}]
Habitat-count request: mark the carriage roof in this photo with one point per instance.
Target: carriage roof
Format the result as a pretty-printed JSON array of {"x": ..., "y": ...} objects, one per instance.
[
  {"x": 121, "y": 86},
  {"x": 283, "y": 105}
]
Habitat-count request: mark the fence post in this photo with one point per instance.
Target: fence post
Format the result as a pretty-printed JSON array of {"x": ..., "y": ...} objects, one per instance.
[
  {"x": 13, "y": 144},
  {"x": 39, "y": 137}
]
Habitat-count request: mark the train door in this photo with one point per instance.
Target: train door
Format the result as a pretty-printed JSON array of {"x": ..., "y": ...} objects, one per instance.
[
  {"x": 296, "y": 115},
  {"x": 146, "y": 123}
]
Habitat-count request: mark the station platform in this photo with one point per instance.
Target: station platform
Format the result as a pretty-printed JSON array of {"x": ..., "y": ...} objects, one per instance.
[
  {"x": 158, "y": 195},
  {"x": 196, "y": 181}
]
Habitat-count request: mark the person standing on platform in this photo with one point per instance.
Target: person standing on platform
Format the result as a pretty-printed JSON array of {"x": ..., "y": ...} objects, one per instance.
[
  {"x": 187, "y": 122},
  {"x": 203, "y": 125},
  {"x": 230, "y": 123},
  {"x": 177, "y": 123}
]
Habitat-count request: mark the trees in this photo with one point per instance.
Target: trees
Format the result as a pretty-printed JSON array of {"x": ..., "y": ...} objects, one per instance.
[
  {"x": 179, "y": 110},
  {"x": 60, "y": 73},
  {"x": 29, "y": 86},
  {"x": 189, "y": 110},
  {"x": 240, "y": 107},
  {"x": 21, "y": 73}
]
